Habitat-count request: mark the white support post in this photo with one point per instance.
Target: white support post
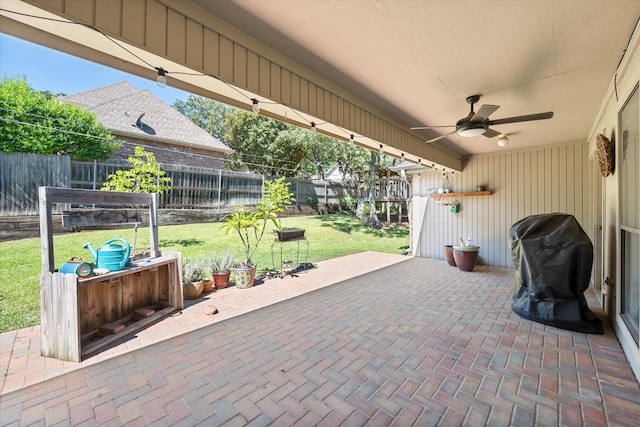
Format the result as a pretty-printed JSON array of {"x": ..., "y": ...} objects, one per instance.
[
  {"x": 46, "y": 230},
  {"x": 153, "y": 226},
  {"x": 219, "y": 187}
]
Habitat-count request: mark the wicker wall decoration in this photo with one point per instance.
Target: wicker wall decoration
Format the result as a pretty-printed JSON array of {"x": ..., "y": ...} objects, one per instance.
[{"x": 604, "y": 148}]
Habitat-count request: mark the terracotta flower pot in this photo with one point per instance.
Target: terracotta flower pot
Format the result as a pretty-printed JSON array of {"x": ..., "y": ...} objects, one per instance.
[
  {"x": 221, "y": 280},
  {"x": 207, "y": 285},
  {"x": 465, "y": 257},
  {"x": 448, "y": 255}
]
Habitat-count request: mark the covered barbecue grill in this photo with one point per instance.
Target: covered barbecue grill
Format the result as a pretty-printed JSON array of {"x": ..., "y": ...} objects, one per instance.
[{"x": 552, "y": 256}]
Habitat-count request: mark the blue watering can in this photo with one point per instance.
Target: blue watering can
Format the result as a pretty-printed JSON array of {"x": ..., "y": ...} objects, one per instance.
[
  {"x": 111, "y": 256},
  {"x": 76, "y": 266}
]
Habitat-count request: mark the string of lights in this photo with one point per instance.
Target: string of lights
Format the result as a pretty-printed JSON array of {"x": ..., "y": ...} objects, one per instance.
[
  {"x": 81, "y": 124},
  {"x": 255, "y": 103},
  {"x": 165, "y": 149}
]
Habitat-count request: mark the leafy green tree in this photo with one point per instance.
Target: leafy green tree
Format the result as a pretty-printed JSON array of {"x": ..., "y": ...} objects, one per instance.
[
  {"x": 208, "y": 114},
  {"x": 36, "y": 122},
  {"x": 277, "y": 191},
  {"x": 352, "y": 161},
  {"x": 271, "y": 147},
  {"x": 295, "y": 148},
  {"x": 322, "y": 153},
  {"x": 144, "y": 176},
  {"x": 254, "y": 137}
]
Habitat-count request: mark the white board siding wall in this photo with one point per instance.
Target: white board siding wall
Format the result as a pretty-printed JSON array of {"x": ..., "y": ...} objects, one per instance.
[{"x": 554, "y": 178}]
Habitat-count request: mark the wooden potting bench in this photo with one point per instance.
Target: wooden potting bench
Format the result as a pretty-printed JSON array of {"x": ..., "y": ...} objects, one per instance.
[{"x": 79, "y": 316}]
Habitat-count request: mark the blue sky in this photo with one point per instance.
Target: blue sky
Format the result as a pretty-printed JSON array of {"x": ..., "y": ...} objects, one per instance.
[{"x": 57, "y": 72}]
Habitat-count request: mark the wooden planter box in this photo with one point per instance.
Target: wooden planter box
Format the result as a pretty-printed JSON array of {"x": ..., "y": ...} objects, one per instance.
[
  {"x": 78, "y": 316},
  {"x": 286, "y": 235}
]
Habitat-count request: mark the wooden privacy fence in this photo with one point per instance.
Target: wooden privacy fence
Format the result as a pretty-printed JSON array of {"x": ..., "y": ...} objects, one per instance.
[
  {"x": 20, "y": 176},
  {"x": 192, "y": 187}
]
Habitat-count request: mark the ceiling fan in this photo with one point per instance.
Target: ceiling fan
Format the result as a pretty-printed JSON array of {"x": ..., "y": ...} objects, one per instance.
[{"x": 478, "y": 123}]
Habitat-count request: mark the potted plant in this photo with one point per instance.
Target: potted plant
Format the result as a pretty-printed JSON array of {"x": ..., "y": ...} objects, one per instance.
[
  {"x": 220, "y": 264},
  {"x": 278, "y": 192},
  {"x": 207, "y": 285},
  {"x": 286, "y": 234},
  {"x": 192, "y": 284},
  {"x": 251, "y": 226},
  {"x": 448, "y": 255},
  {"x": 466, "y": 255}
]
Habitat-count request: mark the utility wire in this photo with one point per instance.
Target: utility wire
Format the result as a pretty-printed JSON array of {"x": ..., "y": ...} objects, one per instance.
[
  {"x": 151, "y": 66},
  {"x": 121, "y": 46},
  {"x": 119, "y": 140},
  {"x": 83, "y": 124},
  {"x": 150, "y": 146}
]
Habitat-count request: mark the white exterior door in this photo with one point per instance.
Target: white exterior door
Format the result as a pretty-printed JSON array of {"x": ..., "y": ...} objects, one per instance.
[{"x": 628, "y": 307}]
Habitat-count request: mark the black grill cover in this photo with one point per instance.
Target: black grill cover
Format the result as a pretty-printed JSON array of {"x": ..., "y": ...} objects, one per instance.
[{"x": 552, "y": 256}]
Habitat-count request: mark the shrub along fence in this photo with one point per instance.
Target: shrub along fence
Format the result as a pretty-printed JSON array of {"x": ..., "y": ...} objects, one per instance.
[{"x": 192, "y": 187}]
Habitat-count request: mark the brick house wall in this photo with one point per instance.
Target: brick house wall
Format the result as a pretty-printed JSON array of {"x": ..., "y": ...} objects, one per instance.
[{"x": 173, "y": 154}]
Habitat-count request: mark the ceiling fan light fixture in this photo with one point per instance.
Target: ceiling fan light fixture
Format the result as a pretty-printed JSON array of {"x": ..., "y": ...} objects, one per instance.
[
  {"x": 478, "y": 123},
  {"x": 503, "y": 141},
  {"x": 468, "y": 132}
]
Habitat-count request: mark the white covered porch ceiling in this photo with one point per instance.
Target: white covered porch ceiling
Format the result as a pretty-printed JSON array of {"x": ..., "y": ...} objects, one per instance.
[
  {"x": 400, "y": 63},
  {"x": 419, "y": 60}
]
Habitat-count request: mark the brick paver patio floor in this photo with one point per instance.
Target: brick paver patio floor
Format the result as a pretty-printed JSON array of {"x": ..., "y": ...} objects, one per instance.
[{"x": 410, "y": 342}]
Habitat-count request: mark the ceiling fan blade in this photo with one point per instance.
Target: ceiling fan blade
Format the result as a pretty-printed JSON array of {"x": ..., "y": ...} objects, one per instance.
[
  {"x": 430, "y": 127},
  {"x": 484, "y": 112},
  {"x": 440, "y": 137},
  {"x": 516, "y": 119},
  {"x": 490, "y": 133}
]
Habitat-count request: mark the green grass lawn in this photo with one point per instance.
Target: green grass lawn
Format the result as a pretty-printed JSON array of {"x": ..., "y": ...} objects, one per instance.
[{"x": 329, "y": 236}]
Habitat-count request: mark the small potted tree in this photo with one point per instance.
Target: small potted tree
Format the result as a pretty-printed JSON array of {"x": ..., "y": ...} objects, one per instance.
[
  {"x": 192, "y": 284},
  {"x": 220, "y": 264},
  {"x": 145, "y": 176},
  {"x": 277, "y": 192},
  {"x": 250, "y": 226}
]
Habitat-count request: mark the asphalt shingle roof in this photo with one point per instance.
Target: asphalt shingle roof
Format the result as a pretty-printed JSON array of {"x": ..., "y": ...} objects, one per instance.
[{"x": 119, "y": 106}]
